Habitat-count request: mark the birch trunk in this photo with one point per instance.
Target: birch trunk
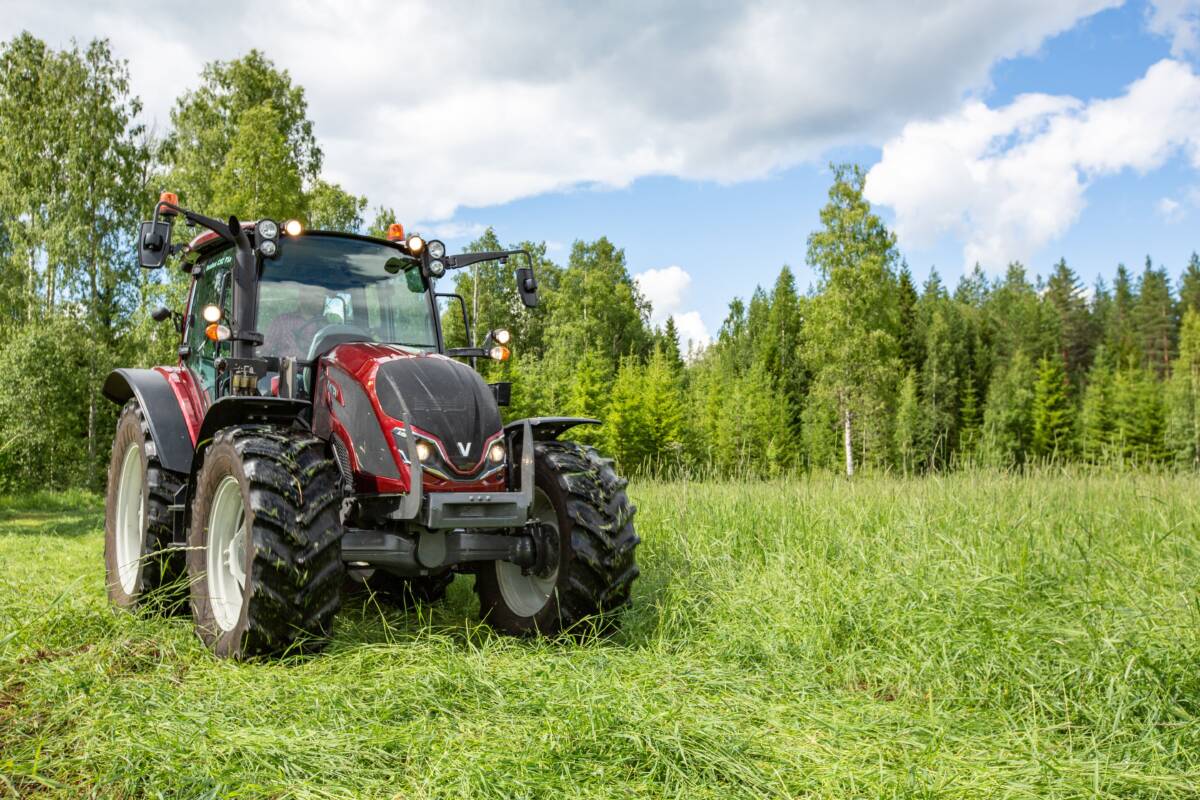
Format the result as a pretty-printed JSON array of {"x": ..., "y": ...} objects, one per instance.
[{"x": 847, "y": 441}]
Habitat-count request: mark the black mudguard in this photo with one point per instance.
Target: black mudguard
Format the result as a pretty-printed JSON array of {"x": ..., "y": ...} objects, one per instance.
[
  {"x": 547, "y": 429},
  {"x": 162, "y": 412}
]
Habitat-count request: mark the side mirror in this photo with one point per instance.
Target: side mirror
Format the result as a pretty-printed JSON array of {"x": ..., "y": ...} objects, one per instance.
[
  {"x": 527, "y": 287},
  {"x": 160, "y": 314},
  {"x": 154, "y": 244}
]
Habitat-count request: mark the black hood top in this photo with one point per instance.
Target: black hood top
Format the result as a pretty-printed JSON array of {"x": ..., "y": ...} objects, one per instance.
[{"x": 444, "y": 398}]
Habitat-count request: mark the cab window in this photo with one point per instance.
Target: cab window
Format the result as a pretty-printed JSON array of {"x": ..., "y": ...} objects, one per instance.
[{"x": 212, "y": 287}]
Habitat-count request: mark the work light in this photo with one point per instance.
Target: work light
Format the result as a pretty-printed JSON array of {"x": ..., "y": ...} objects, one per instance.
[
  {"x": 496, "y": 452},
  {"x": 267, "y": 229},
  {"x": 293, "y": 227},
  {"x": 437, "y": 268},
  {"x": 436, "y": 249},
  {"x": 211, "y": 313},
  {"x": 424, "y": 451},
  {"x": 415, "y": 245}
]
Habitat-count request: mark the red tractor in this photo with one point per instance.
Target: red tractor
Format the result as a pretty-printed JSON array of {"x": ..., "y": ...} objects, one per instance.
[{"x": 317, "y": 434}]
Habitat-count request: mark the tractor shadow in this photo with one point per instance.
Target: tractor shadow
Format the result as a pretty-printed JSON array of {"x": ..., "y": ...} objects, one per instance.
[{"x": 15, "y": 522}]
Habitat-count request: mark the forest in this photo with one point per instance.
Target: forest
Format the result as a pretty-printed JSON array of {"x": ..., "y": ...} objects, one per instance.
[{"x": 864, "y": 370}]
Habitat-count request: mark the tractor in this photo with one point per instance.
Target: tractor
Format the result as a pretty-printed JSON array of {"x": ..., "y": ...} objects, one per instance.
[{"x": 317, "y": 437}]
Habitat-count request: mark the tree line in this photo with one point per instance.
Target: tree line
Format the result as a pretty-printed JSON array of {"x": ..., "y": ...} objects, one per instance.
[{"x": 862, "y": 370}]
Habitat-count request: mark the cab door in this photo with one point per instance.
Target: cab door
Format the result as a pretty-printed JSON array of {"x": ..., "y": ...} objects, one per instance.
[{"x": 210, "y": 287}]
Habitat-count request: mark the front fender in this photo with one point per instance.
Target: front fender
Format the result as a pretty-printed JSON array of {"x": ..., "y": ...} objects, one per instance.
[
  {"x": 168, "y": 429},
  {"x": 549, "y": 428}
]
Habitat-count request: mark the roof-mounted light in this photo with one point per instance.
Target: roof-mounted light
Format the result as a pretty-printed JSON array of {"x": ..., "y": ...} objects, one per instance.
[
  {"x": 167, "y": 197},
  {"x": 415, "y": 245},
  {"x": 395, "y": 232},
  {"x": 293, "y": 227}
]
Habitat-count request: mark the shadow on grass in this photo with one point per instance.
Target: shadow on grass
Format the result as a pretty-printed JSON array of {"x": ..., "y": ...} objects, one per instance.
[{"x": 50, "y": 523}]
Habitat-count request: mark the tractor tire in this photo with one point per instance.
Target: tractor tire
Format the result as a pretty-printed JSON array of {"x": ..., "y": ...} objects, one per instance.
[
  {"x": 407, "y": 592},
  {"x": 264, "y": 549},
  {"x": 578, "y": 493},
  {"x": 141, "y": 569}
]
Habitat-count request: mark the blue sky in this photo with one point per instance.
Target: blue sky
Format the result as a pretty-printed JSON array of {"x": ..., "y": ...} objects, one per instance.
[
  {"x": 695, "y": 134},
  {"x": 730, "y": 238}
]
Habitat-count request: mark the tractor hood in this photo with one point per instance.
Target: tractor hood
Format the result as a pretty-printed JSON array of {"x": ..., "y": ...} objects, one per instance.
[{"x": 443, "y": 398}]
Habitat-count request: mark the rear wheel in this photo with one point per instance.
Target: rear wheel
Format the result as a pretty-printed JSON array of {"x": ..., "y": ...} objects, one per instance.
[
  {"x": 581, "y": 499},
  {"x": 264, "y": 557},
  {"x": 140, "y": 568}
]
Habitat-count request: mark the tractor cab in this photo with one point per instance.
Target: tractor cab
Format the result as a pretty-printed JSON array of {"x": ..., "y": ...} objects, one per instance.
[{"x": 319, "y": 291}]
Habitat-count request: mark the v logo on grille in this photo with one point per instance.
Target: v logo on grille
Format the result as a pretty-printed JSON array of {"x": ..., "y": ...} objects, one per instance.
[{"x": 464, "y": 448}]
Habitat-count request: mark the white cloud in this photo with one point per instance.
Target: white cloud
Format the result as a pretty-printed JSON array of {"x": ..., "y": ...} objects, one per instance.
[
  {"x": 666, "y": 289},
  {"x": 1008, "y": 180},
  {"x": 1178, "y": 20},
  {"x": 1170, "y": 209},
  {"x": 430, "y": 107},
  {"x": 693, "y": 333}
]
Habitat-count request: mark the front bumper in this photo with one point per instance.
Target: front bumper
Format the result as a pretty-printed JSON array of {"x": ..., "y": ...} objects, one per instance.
[{"x": 452, "y": 510}]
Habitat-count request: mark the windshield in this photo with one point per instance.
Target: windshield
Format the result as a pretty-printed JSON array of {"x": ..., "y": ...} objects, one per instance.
[{"x": 323, "y": 289}]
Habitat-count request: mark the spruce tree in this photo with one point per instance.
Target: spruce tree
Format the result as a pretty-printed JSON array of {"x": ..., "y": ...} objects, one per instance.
[
  {"x": 1154, "y": 319},
  {"x": 911, "y": 341},
  {"x": 1120, "y": 335},
  {"x": 1189, "y": 286},
  {"x": 1096, "y": 417},
  {"x": 1008, "y": 418},
  {"x": 970, "y": 418},
  {"x": 909, "y": 427},
  {"x": 1053, "y": 412},
  {"x": 1183, "y": 396}
]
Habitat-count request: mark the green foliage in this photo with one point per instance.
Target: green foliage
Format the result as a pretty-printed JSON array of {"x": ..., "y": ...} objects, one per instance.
[
  {"x": 1053, "y": 412},
  {"x": 1183, "y": 395},
  {"x": 909, "y": 432},
  {"x": 260, "y": 178},
  {"x": 51, "y": 432},
  {"x": 851, "y": 346},
  {"x": 1008, "y": 420},
  {"x": 206, "y": 120},
  {"x": 331, "y": 208}
]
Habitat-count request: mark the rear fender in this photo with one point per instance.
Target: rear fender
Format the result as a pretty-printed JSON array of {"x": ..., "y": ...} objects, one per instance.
[{"x": 168, "y": 429}]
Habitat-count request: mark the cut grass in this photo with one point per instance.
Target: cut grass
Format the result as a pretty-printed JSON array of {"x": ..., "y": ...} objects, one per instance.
[{"x": 974, "y": 636}]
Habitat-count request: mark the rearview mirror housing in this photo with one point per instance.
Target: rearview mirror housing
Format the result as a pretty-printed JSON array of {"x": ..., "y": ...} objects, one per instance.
[
  {"x": 154, "y": 244},
  {"x": 527, "y": 287}
]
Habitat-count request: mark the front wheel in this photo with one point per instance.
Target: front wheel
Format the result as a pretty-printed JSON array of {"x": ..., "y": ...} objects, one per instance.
[
  {"x": 581, "y": 499},
  {"x": 140, "y": 565},
  {"x": 264, "y": 554}
]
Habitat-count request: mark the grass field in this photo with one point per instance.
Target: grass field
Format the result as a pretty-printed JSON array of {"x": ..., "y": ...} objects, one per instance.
[{"x": 974, "y": 636}]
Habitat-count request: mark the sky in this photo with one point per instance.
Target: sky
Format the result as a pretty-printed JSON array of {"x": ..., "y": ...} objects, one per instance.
[{"x": 697, "y": 135}]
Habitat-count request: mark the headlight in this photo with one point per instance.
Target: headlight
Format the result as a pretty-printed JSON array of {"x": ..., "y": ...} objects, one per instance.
[
  {"x": 211, "y": 313},
  {"x": 424, "y": 451},
  {"x": 501, "y": 336},
  {"x": 437, "y": 249},
  {"x": 267, "y": 229},
  {"x": 496, "y": 452},
  {"x": 268, "y": 248},
  {"x": 436, "y": 268}
]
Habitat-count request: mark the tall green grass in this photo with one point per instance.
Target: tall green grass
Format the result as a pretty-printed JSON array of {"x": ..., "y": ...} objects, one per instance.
[{"x": 980, "y": 635}]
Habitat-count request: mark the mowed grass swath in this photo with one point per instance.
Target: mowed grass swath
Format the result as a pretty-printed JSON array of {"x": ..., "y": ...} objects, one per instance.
[{"x": 978, "y": 635}]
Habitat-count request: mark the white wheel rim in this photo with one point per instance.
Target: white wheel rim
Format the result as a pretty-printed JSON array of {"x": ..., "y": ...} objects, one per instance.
[
  {"x": 526, "y": 595},
  {"x": 131, "y": 512},
  {"x": 225, "y": 553}
]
